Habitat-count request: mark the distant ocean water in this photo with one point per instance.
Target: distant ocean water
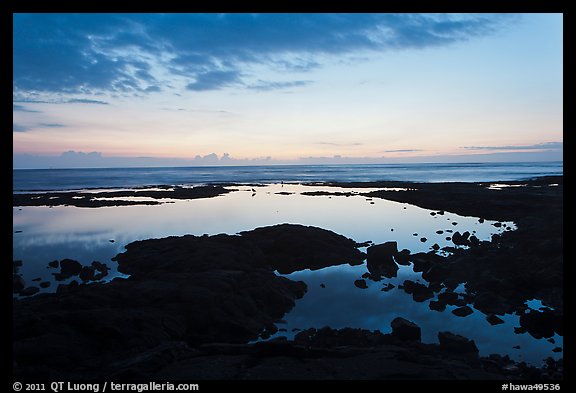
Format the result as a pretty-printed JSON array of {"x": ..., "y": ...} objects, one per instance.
[{"x": 71, "y": 179}]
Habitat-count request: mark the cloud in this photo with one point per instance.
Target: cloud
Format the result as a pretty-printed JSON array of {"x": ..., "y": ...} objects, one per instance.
[
  {"x": 52, "y": 125},
  {"x": 20, "y": 108},
  {"x": 127, "y": 54},
  {"x": 402, "y": 151},
  {"x": 58, "y": 101},
  {"x": 214, "y": 80},
  {"x": 19, "y": 128},
  {"x": 538, "y": 146},
  {"x": 339, "y": 144},
  {"x": 84, "y": 101},
  {"x": 267, "y": 85}
]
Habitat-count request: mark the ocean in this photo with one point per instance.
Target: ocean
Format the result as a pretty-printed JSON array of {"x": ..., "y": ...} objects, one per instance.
[{"x": 73, "y": 179}]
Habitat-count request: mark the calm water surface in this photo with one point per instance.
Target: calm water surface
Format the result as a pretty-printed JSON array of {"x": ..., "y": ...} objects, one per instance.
[{"x": 85, "y": 234}]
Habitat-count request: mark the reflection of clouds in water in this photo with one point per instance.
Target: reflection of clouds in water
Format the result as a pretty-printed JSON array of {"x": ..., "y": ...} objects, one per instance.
[{"x": 340, "y": 304}]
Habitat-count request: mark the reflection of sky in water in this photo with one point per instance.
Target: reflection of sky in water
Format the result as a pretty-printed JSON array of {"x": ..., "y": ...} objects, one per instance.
[{"x": 84, "y": 234}]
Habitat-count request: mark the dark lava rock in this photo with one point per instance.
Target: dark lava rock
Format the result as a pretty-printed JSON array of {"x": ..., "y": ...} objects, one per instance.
[
  {"x": 18, "y": 283},
  {"x": 403, "y": 257},
  {"x": 481, "y": 220},
  {"x": 448, "y": 298},
  {"x": 461, "y": 239},
  {"x": 423, "y": 239},
  {"x": 414, "y": 234},
  {"x": 439, "y": 232},
  {"x": 435, "y": 247},
  {"x": 497, "y": 224},
  {"x": 101, "y": 267},
  {"x": 193, "y": 289},
  {"x": 29, "y": 291},
  {"x": 44, "y": 284},
  {"x": 462, "y": 311},
  {"x": 490, "y": 303},
  {"x": 69, "y": 268},
  {"x": 474, "y": 241},
  {"x": 516, "y": 347},
  {"x": 327, "y": 337},
  {"x": 551, "y": 341},
  {"x": 557, "y": 350},
  {"x": 54, "y": 264},
  {"x": 290, "y": 247},
  {"x": 437, "y": 306},
  {"x": 405, "y": 330},
  {"x": 111, "y": 240},
  {"x": 451, "y": 342},
  {"x": 419, "y": 292},
  {"x": 322, "y": 286},
  {"x": 380, "y": 260},
  {"x": 388, "y": 287},
  {"x": 65, "y": 288},
  {"x": 454, "y": 223},
  {"x": 361, "y": 284},
  {"x": 494, "y": 320},
  {"x": 542, "y": 324},
  {"x": 87, "y": 273}
]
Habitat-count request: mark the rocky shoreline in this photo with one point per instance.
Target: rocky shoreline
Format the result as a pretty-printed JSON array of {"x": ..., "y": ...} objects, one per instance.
[{"x": 192, "y": 305}]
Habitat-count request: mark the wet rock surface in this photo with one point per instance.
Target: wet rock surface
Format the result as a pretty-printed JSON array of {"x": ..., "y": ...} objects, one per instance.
[{"x": 192, "y": 289}]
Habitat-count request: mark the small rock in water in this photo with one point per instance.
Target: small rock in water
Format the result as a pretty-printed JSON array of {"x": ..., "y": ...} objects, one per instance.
[
  {"x": 437, "y": 306},
  {"x": 435, "y": 247},
  {"x": 322, "y": 286},
  {"x": 54, "y": 264},
  {"x": 111, "y": 240},
  {"x": 462, "y": 311},
  {"x": 44, "y": 284},
  {"x": 423, "y": 240},
  {"x": 557, "y": 349},
  {"x": 551, "y": 341},
  {"x": 361, "y": 284},
  {"x": 454, "y": 223},
  {"x": 516, "y": 347},
  {"x": 494, "y": 320}
]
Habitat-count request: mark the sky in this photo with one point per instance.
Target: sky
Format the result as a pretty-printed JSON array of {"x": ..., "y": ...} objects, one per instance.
[{"x": 99, "y": 90}]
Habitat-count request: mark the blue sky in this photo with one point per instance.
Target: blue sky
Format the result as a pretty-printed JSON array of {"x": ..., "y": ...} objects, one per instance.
[{"x": 186, "y": 89}]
